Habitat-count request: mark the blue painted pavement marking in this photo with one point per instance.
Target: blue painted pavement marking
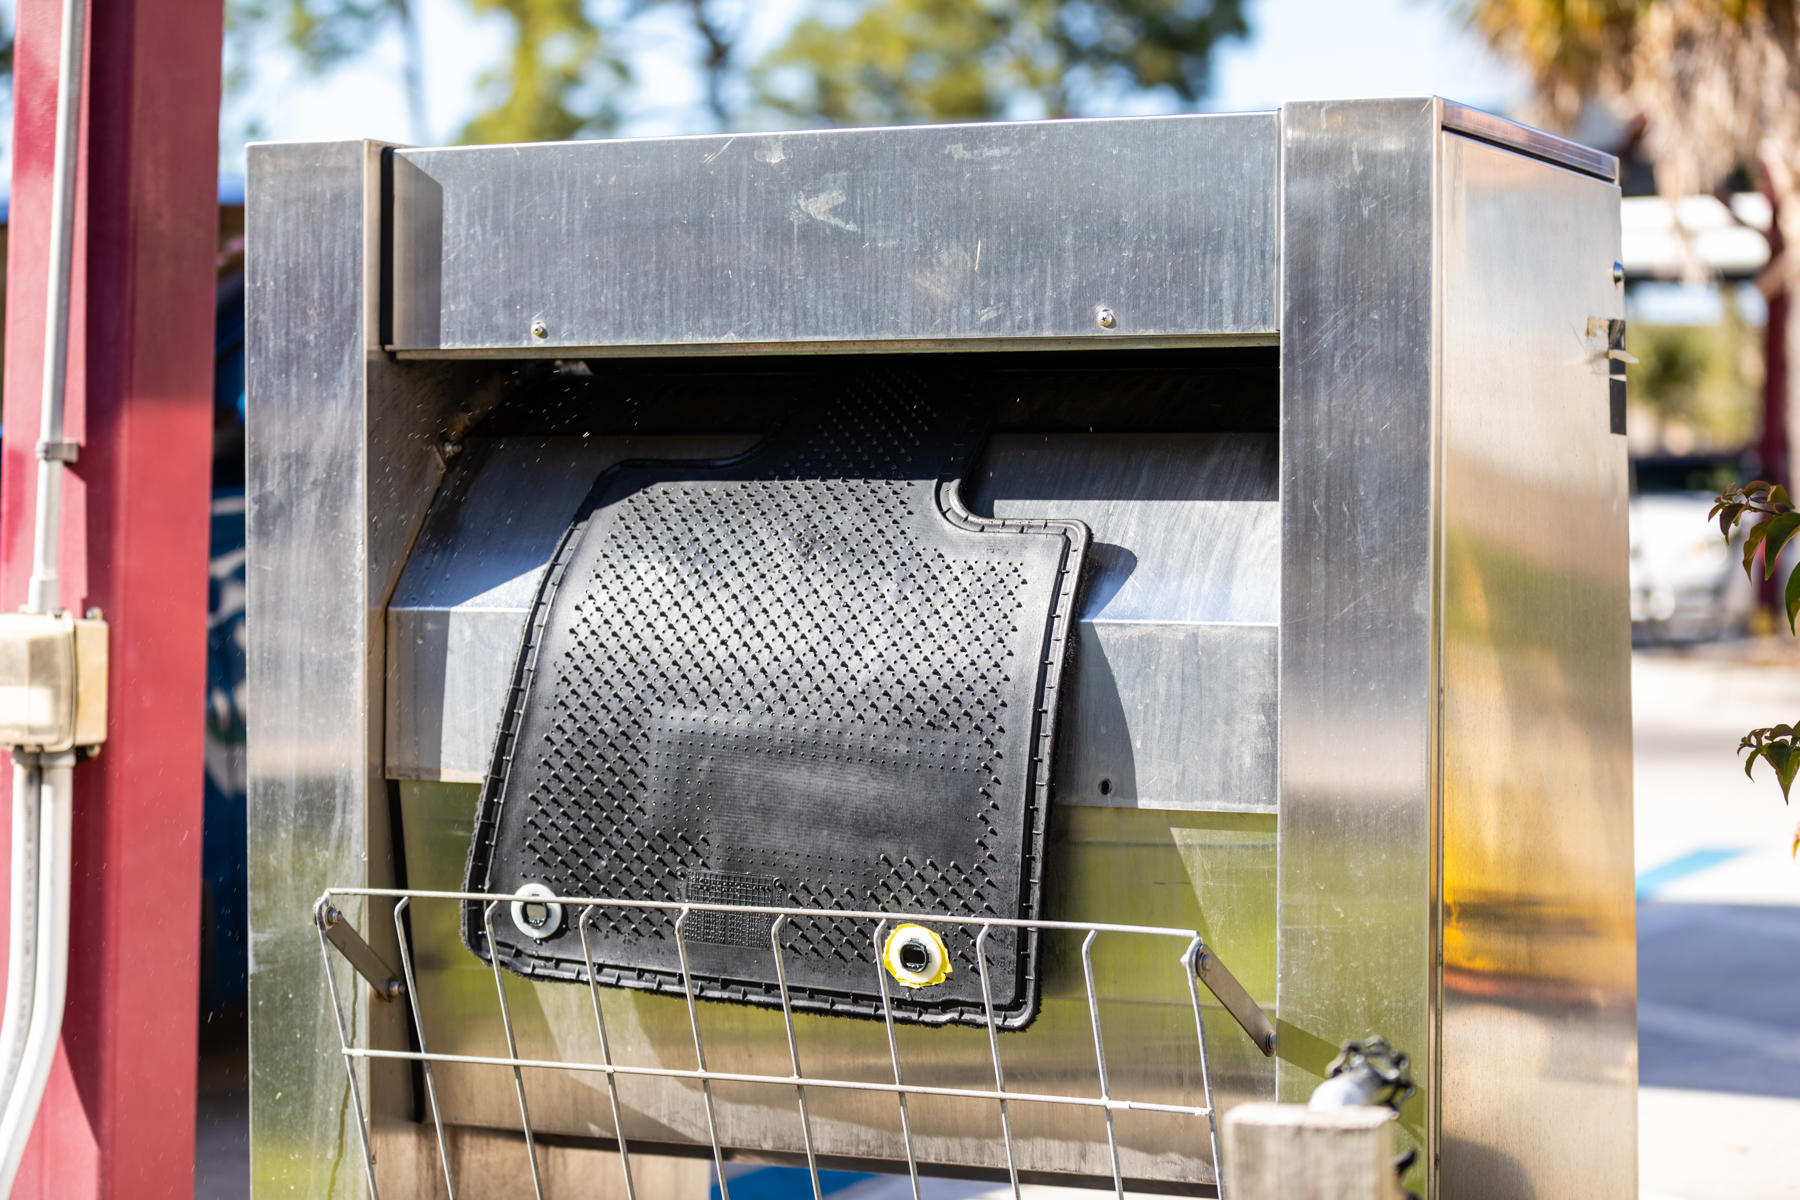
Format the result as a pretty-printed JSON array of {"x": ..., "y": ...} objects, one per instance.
[
  {"x": 786, "y": 1183},
  {"x": 1692, "y": 863}
]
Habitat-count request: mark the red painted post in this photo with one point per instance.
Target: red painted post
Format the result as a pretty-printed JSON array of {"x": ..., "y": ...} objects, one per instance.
[{"x": 118, "y": 1117}]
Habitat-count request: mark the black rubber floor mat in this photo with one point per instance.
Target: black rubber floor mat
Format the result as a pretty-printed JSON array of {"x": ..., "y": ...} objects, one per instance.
[{"x": 803, "y": 677}]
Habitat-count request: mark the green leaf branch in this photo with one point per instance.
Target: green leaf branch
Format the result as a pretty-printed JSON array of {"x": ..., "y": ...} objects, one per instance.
[
  {"x": 1773, "y": 524},
  {"x": 1776, "y": 745}
]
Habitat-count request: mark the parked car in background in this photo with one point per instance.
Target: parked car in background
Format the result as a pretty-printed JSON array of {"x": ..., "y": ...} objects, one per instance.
[{"x": 1687, "y": 583}]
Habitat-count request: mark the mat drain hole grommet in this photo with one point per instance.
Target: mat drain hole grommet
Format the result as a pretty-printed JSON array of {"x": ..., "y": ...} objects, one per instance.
[
  {"x": 540, "y": 916},
  {"x": 916, "y": 956}
]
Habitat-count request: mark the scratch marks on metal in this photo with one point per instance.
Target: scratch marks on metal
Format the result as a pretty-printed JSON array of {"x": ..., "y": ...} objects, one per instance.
[
  {"x": 823, "y": 206},
  {"x": 962, "y": 153}
]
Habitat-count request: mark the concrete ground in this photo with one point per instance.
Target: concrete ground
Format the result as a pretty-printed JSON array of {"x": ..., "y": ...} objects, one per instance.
[
  {"x": 1718, "y": 928},
  {"x": 1718, "y": 954}
]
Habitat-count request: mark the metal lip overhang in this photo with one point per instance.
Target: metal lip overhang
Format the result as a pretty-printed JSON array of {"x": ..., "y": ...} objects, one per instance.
[
  {"x": 1524, "y": 139},
  {"x": 846, "y": 240},
  {"x": 1049, "y": 234}
]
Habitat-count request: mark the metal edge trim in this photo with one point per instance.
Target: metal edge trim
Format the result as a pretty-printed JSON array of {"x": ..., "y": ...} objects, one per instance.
[
  {"x": 1434, "y": 751},
  {"x": 1524, "y": 139},
  {"x": 1148, "y": 341},
  {"x": 843, "y": 131}
]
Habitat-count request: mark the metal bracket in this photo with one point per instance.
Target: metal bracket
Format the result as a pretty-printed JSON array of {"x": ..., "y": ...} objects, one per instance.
[
  {"x": 339, "y": 932},
  {"x": 1229, "y": 992},
  {"x": 58, "y": 450},
  {"x": 62, "y": 451}
]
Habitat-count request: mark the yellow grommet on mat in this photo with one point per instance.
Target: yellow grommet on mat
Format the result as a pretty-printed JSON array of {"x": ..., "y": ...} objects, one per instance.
[{"x": 916, "y": 956}]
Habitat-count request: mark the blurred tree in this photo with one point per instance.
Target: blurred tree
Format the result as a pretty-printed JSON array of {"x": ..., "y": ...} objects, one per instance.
[
  {"x": 556, "y": 80},
  {"x": 324, "y": 34},
  {"x": 1717, "y": 84},
  {"x": 561, "y": 78},
  {"x": 844, "y": 62},
  {"x": 924, "y": 60}
]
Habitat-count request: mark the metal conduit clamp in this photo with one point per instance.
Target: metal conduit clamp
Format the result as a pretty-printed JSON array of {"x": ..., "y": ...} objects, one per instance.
[{"x": 52, "y": 682}]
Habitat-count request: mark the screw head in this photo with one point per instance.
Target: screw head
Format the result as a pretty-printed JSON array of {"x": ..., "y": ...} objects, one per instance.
[
  {"x": 1105, "y": 318},
  {"x": 539, "y": 329},
  {"x": 1618, "y": 272}
]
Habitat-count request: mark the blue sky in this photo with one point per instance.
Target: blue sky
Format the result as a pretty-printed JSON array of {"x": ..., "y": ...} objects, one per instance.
[{"x": 1300, "y": 49}]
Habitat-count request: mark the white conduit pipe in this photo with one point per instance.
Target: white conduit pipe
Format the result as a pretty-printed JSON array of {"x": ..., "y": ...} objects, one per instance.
[
  {"x": 38, "y": 949},
  {"x": 52, "y": 982},
  {"x": 21, "y": 952}
]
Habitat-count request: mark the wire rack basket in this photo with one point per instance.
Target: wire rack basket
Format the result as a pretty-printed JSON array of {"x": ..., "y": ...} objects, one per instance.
[{"x": 1188, "y": 955}]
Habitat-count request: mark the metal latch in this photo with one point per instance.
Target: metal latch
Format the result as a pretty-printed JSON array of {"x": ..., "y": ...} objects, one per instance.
[{"x": 52, "y": 681}]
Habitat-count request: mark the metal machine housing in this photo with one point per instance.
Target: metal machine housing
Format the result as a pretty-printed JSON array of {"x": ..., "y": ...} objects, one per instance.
[{"x": 1351, "y": 693}]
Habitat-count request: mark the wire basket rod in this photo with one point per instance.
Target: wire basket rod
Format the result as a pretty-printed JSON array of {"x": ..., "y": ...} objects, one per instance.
[
  {"x": 356, "y": 1098},
  {"x": 1190, "y": 967},
  {"x": 1112, "y": 1136},
  {"x": 512, "y": 1050},
  {"x": 612, "y": 1080},
  {"x": 412, "y": 996},
  {"x": 687, "y": 987},
  {"x": 887, "y": 1012},
  {"x": 987, "y": 1003},
  {"x": 787, "y": 1016}
]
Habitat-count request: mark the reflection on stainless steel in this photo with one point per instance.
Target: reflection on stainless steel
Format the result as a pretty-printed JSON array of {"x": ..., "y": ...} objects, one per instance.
[
  {"x": 838, "y": 239},
  {"x": 1348, "y": 701},
  {"x": 1358, "y": 697},
  {"x": 1454, "y": 668},
  {"x": 1538, "y": 919},
  {"x": 308, "y": 758}
]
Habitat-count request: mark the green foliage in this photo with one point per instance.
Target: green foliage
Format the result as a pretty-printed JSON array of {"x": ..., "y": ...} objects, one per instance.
[
  {"x": 1774, "y": 526},
  {"x": 562, "y": 78},
  {"x": 899, "y": 61},
  {"x": 1769, "y": 535},
  {"x": 1571, "y": 48},
  {"x": 1777, "y": 746}
]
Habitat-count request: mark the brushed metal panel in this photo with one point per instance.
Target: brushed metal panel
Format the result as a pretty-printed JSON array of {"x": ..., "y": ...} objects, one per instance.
[
  {"x": 995, "y": 233},
  {"x": 1358, "y": 675},
  {"x": 1170, "y": 715},
  {"x": 1172, "y": 696},
  {"x": 1538, "y": 1089},
  {"x": 1212, "y": 870},
  {"x": 340, "y": 469},
  {"x": 1186, "y": 526},
  {"x": 307, "y": 763},
  {"x": 1172, "y": 690}
]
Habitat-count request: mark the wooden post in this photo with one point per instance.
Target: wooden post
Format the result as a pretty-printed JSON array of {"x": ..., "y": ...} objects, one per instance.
[{"x": 1291, "y": 1152}]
